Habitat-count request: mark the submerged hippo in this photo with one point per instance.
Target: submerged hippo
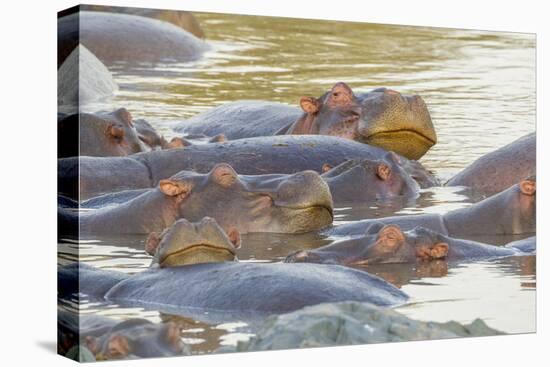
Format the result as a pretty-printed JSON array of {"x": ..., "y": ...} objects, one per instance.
[
  {"x": 387, "y": 243},
  {"x": 227, "y": 290},
  {"x": 180, "y": 18},
  {"x": 512, "y": 211},
  {"x": 284, "y": 204},
  {"x": 125, "y": 38},
  {"x": 497, "y": 170},
  {"x": 82, "y": 78},
  {"x": 361, "y": 181},
  {"x": 382, "y": 117},
  {"x": 262, "y": 155},
  {"x": 107, "y": 339}
]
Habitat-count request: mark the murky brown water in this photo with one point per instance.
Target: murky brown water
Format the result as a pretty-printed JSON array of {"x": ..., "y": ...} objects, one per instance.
[{"x": 479, "y": 87}]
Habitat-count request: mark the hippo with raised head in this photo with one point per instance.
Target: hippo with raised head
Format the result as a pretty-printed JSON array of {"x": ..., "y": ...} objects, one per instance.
[
  {"x": 262, "y": 155},
  {"x": 284, "y": 204},
  {"x": 500, "y": 169},
  {"x": 387, "y": 243},
  {"x": 106, "y": 338},
  {"x": 382, "y": 117},
  {"x": 123, "y": 38},
  {"x": 228, "y": 290},
  {"x": 509, "y": 212},
  {"x": 361, "y": 181}
]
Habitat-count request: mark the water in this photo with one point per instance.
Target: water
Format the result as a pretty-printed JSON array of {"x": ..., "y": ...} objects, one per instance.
[{"x": 479, "y": 87}]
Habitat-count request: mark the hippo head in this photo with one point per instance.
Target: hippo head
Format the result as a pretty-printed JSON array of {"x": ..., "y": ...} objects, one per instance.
[
  {"x": 381, "y": 244},
  {"x": 382, "y": 117},
  {"x": 369, "y": 180},
  {"x": 186, "y": 243},
  {"x": 136, "y": 338},
  {"x": 295, "y": 203},
  {"x": 109, "y": 134}
]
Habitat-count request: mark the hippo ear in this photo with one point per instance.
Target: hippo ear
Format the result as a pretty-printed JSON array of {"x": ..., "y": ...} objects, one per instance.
[
  {"x": 438, "y": 251},
  {"x": 152, "y": 243},
  {"x": 115, "y": 131},
  {"x": 393, "y": 157},
  {"x": 310, "y": 104},
  {"x": 326, "y": 167},
  {"x": 174, "y": 188},
  {"x": 235, "y": 237},
  {"x": 528, "y": 187},
  {"x": 177, "y": 143},
  {"x": 383, "y": 171},
  {"x": 391, "y": 232},
  {"x": 220, "y": 138}
]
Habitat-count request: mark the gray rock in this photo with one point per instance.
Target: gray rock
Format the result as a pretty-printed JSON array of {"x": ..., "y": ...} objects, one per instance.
[{"x": 347, "y": 323}]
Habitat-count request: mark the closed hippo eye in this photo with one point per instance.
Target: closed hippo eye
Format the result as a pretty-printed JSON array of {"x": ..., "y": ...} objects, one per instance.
[{"x": 115, "y": 132}]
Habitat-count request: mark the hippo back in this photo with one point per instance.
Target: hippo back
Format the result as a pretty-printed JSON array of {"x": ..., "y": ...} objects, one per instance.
[{"x": 251, "y": 287}]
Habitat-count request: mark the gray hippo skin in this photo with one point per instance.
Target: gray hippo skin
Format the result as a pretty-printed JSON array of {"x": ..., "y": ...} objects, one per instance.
[
  {"x": 108, "y": 339},
  {"x": 262, "y": 155},
  {"x": 214, "y": 284},
  {"x": 497, "y": 170},
  {"x": 387, "y": 243},
  {"x": 512, "y": 211},
  {"x": 100, "y": 135},
  {"x": 281, "y": 203},
  {"x": 355, "y": 181},
  {"x": 82, "y": 78},
  {"x": 382, "y": 117},
  {"x": 180, "y": 18},
  {"x": 129, "y": 39}
]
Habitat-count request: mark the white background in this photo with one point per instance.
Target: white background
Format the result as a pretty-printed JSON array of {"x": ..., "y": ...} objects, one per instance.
[{"x": 28, "y": 179}]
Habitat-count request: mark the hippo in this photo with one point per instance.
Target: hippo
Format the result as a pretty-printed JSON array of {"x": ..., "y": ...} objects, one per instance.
[
  {"x": 123, "y": 38},
  {"x": 382, "y": 117},
  {"x": 499, "y": 169},
  {"x": 106, "y": 338},
  {"x": 387, "y": 244},
  {"x": 509, "y": 212},
  {"x": 282, "y": 204},
  {"x": 82, "y": 78},
  {"x": 99, "y": 134},
  {"x": 253, "y": 156},
  {"x": 228, "y": 290},
  {"x": 361, "y": 181},
  {"x": 180, "y": 18}
]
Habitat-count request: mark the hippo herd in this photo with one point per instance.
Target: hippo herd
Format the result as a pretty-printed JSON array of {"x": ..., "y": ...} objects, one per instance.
[{"x": 255, "y": 167}]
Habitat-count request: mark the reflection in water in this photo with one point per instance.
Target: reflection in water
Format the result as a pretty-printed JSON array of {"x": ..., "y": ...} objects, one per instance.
[{"x": 479, "y": 87}]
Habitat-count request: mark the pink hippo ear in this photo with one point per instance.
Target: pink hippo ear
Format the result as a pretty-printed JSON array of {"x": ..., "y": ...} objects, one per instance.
[
  {"x": 390, "y": 237},
  {"x": 528, "y": 187},
  {"x": 383, "y": 171},
  {"x": 174, "y": 188},
  {"x": 235, "y": 237},
  {"x": 310, "y": 104},
  {"x": 177, "y": 143},
  {"x": 326, "y": 167}
]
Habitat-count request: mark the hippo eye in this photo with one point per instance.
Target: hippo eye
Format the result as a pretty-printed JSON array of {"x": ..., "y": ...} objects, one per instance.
[{"x": 335, "y": 94}]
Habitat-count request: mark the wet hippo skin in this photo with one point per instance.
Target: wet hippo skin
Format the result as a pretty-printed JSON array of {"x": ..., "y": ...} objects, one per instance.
[
  {"x": 126, "y": 38},
  {"x": 387, "y": 243},
  {"x": 262, "y": 155},
  {"x": 282, "y": 203},
  {"x": 382, "y": 117},
  {"x": 497, "y": 170},
  {"x": 512, "y": 211}
]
